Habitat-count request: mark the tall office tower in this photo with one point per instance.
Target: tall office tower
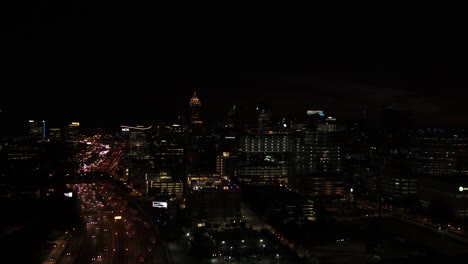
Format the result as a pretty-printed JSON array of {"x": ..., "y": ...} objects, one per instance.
[
  {"x": 314, "y": 117},
  {"x": 72, "y": 131},
  {"x": 226, "y": 153},
  {"x": 394, "y": 179},
  {"x": 233, "y": 118},
  {"x": 169, "y": 149},
  {"x": 263, "y": 115},
  {"x": 33, "y": 129},
  {"x": 43, "y": 129},
  {"x": 37, "y": 130},
  {"x": 201, "y": 154},
  {"x": 396, "y": 127},
  {"x": 357, "y": 159},
  {"x": 264, "y": 157},
  {"x": 227, "y": 143},
  {"x": 439, "y": 152},
  {"x": 318, "y": 160},
  {"x": 195, "y": 110},
  {"x": 211, "y": 199},
  {"x": 136, "y": 142}
]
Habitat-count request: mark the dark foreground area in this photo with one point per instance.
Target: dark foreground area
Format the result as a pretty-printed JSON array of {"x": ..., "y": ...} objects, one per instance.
[{"x": 29, "y": 226}]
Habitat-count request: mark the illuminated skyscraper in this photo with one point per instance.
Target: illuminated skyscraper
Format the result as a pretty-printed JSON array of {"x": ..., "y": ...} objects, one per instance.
[
  {"x": 201, "y": 149},
  {"x": 195, "y": 108},
  {"x": 43, "y": 129},
  {"x": 136, "y": 142},
  {"x": 264, "y": 157},
  {"x": 233, "y": 118},
  {"x": 263, "y": 112},
  {"x": 72, "y": 131},
  {"x": 33, "y": 129},
  {"x": 37, "y": 130}
]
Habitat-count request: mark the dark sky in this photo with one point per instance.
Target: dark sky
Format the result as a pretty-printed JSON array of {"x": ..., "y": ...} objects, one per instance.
[{"x": 122, "y": 61}]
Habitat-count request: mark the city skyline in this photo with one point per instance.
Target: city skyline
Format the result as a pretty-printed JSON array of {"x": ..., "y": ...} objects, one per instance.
[
  {"x": 141, "y": 132},
  {"x": 108, "y": 118}
]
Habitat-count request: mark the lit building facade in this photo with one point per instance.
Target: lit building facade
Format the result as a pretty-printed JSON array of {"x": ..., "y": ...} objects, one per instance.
[
  {"x": 136, "y": 143},
  {"x": 318, "y": 161},
  {"x": 37, "y": 129},
  {"x": 439, "y": 152},
  {"x": 397, "y": 182},
  {"x": 212, "y": 199},
  {"x": 72, "y": 131},
  {"x": 233, "y": 120},
  {"x": 264, "y": 157},
  {"x": 264, "y": 116},
  {"x": 165, "y": 184},
  {"x": 169, "y": 149},
  {"x": 195, "y": 110}
]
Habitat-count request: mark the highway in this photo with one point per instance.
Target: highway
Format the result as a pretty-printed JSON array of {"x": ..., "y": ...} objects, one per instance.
[{"x": 113, "y": 231}]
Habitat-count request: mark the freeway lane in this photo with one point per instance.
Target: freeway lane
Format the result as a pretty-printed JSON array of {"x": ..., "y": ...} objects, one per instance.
[{"x": 113, "y": 231}]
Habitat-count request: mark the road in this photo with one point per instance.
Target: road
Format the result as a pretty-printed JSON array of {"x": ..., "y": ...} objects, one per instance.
[{"x": 113, "y": 231}]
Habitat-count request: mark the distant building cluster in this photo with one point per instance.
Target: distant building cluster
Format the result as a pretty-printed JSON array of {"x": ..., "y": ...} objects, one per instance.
[{"x": 203, "y": 168}]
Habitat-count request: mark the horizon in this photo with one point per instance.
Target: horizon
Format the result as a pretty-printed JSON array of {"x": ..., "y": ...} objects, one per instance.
[{"x": 80, "y": 62}]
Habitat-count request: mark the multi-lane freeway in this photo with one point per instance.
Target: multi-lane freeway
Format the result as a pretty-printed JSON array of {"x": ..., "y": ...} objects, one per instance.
[{"x": 113, "y": 231}]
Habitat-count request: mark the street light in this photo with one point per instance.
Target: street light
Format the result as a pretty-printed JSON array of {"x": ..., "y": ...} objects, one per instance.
[{"x": 230, "y": 253}]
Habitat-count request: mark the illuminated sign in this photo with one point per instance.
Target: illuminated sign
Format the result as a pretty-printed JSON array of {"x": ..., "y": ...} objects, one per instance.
[
  {"x": 117, "y": 217},
  {"x": 157, "y": 204},
  {"x": 125, "y": 129},
  {"x": 68, "y": 194},
  {"x": 461, "y": 188},
  {"x": 315, "y": 112}
]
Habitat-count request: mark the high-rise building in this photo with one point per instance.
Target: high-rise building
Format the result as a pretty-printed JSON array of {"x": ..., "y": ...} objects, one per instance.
[
  {"x": 264, "y": 157},
  {"x": 72, "y": 131},
  {"x": 195, "y": 110},
  {"x": 33, "y": 128},
  {"x": 233, "y": 118},
  {"x": 439, "y": 152},
  {"x": 169, "y": 149},
  {"x": 212, "y": 199},
  {"x": 44, "y": 129},
  {"x": 263, "y": 115},
  {"x": 136, "y": 142},
  {"x": 314, "y": 117},
  {"x": 201, "y": 153},
  {"x": 318, "y": 161},
  {"x": 393, "y": 176},
  {"x": 226, "y": 154},
  {"x": 397, "y": 182},
  {"x": 395, "y": 129},
  {"x": 37, "y": 130}
]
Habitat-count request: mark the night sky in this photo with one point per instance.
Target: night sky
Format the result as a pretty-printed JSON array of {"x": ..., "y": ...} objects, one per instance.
[{"x": 124, "y": 62}]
